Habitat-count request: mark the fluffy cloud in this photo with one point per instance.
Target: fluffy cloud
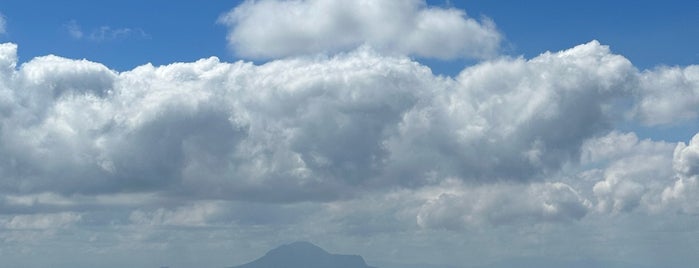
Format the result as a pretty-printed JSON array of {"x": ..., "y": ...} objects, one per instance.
[
  {"x": 227, "y": 130},
  {"x": 360, "y": 143},
  {"x": 682, "y": 194},
  {"x": 512, "y": 119},
  {"x": 274, "y": 29},
  {"x": 668, "y": 95},
  {"x": 627, "y": 172},
  {"x": 618, "y": 174},
  {"x": 194, "y": 144},
  {"x": 686, "y": 158},
  {"x": 299, "y": 129}
]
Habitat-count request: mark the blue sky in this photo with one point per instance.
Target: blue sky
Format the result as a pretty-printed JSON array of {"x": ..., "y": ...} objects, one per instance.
[
  {"x": 646, "y": 32},
  {"x": 173, "y": 30},
  {"x": 430, "y": 133}
]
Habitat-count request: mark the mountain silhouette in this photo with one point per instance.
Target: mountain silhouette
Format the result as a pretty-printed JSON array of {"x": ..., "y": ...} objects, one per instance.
[{"x": 304, "y": 255}]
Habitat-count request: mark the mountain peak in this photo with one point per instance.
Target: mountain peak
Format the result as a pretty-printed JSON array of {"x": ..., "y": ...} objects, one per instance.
[
  {"x": 299, "y": 247},
  {"x": 304, "y": 255}
]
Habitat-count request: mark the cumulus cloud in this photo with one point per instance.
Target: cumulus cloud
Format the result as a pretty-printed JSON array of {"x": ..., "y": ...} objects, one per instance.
[
  {"x": 299, "y": 129},
  {"x": 682, "y": 195},
  {"x": 191, "y": 144},
  {"x": 274, "y": 29},
  {"x": 627, "y": 172},
  {"x": 668, "y": 95},
  {"x": 512, "y": 119},
  {"x": 8, "y": 60},
  {"x": 360, "y": 143},
  {"x": 686, "y": 158}
]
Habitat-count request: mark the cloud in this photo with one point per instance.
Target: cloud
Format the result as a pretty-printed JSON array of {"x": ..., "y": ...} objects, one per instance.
[
  {"x": 686, "y": 158},
  {"x": 300, "y": 129},
  {"x": 668, "y": 95},
  {"x": 274, "y": 29},
  {"x": 455, "y": 205},
  {"x": 508, "y": 141},
  {"x": 210, "y": 157},
  {"x": 8, "y": 59},
  {"x": 627, "y": 173},
  {"x": 364, "y": 144},
  {"x": 74, "y": 29},
  {"x": 681, "y": 196},
  {"x": 512, "y": 119},
  {"x": 103, "y": 33}
]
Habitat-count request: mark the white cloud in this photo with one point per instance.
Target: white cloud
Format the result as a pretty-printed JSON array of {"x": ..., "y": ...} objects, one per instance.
[
  {"x": 512, "y": 119},
  {"x": 686, "y": 158},
  {"x": 303, "y": 128},
  {"x": 486, "y": 147},
  {"x": 274, "y": 29},
  {"x": 8, "y": 59},
  {"x": 682, "y": 195},
  {"x": 633, "y": 173},
  {"x": 668, "y": 95},
  {"x": 360, "y": 143}
]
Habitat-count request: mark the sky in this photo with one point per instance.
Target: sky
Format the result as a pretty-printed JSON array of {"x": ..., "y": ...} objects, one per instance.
[{"x": 437, "y": 133}]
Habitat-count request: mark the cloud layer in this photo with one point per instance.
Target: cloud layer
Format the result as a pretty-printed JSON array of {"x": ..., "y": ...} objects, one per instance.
[
  {"x": 305, "y": 129},
  {"x": 361, "y": 143},
  {"x": 274, "y": 29},
  {"x": 299, "y": 129}
]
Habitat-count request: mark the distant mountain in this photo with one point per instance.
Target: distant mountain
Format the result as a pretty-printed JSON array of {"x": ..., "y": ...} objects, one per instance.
[
  {"x": 418, "y": 265},
  {"x": 305, "y": 255}
]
